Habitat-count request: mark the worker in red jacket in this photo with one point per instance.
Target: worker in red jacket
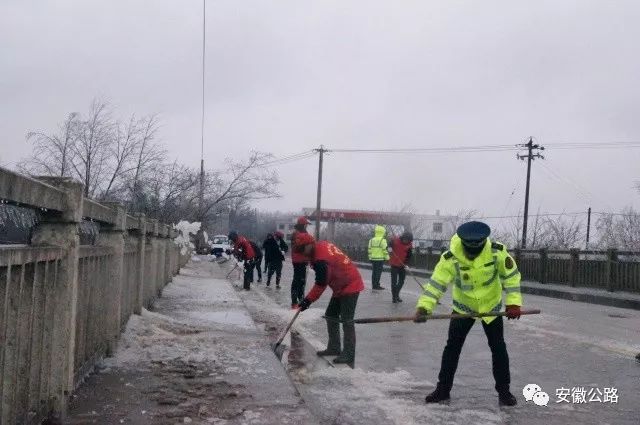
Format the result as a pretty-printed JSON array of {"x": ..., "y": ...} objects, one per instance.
[
  {"x": 401, "y": 249},
  {"x": 334, "y": 269},
  {"x": 299, "y": 262},
  {"x": 244, "y": 252}
]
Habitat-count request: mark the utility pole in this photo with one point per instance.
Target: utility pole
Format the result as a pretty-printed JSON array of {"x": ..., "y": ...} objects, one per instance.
[
  {"x": 588, "y": 227},
  {"x": 204, "y": 39},
  {"x": 530, "y": 156},
  {"x": 321, "y": 151}
]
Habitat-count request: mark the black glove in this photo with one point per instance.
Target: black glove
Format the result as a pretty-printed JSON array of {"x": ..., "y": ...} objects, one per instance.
[
  {"x": 421, "y": 315},
  {"x": 305, "y": 304}
]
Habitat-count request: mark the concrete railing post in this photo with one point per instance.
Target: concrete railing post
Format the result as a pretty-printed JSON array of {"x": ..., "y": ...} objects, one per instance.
[
  {"x": 168, "y": 269},
  {"x": 114, "y": 238},
  {"x": 573, "y": 266},
  {"x": 142, "y": 241},
  {"x": 543, "y": 265},
  {"x": 152, "y": 231},
  {"x": 162, "y": 252},
  {"x": 610, "y": 265},
  {"x": 62, "y": 231}
]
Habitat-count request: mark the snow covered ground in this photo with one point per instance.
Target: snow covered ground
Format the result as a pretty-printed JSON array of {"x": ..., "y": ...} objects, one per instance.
[{"x": 197, "y": 358}]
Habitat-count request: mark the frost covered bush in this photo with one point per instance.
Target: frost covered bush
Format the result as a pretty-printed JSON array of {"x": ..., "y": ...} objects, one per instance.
[{"x": 185, "y": 231}]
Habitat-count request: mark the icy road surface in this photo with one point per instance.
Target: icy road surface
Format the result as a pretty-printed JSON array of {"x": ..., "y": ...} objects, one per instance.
[{"x": 571, "y": 345}]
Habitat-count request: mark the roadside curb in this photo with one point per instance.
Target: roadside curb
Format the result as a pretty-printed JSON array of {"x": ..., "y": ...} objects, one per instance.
[{"x": 571, "y": 294}]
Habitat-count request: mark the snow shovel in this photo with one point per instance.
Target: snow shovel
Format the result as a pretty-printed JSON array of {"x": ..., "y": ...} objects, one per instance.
[
  {"x": 234, "y": 267},
  {"x": 432, "y": 317},
  {"x": 277, "y": 347}
]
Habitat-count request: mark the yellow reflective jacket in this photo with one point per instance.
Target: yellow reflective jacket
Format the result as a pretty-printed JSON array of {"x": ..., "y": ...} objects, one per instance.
[
  {"x": 378, "y": 245},
  {"x": 477, "y": 283}
]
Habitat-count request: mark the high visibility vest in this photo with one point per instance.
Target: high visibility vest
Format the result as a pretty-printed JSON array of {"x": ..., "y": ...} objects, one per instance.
[
  {"x": 477, "y": 284},
  {"x": 378, "y": 245}
]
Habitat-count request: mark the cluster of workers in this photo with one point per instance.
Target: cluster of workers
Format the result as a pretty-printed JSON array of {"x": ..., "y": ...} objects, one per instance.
[{"x": 478, "y": 269}]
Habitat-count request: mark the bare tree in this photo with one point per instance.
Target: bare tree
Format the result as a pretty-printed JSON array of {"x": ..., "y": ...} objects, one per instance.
[
  {"x": 462, "y": 216},
  {"x": 126, "y": 162},
  {"x": 620, "y": 231},
  {"x": 240, "y": 183},
  {"x": 121, "y": 152},
  {"x": 148, "y": 153},
  {"x": 52, "y": 154},
  {"x": 563, "y": 232},
  {"x": 508, "y": 233},
  {"x": 91, "y": 149}
]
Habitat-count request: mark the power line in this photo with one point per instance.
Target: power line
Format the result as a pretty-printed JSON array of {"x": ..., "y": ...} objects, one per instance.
[
  {"x": 536, "y": 215},
  {"x": 290, "y": 158},
  {"x": 482, "y": 148}
]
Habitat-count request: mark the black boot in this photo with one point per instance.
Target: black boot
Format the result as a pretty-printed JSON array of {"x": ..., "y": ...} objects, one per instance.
[
  {"x": 343, "y": 359},
  {"x": 505, "y": 398},
  {"x": 329, "y": 352},
  {"x": 398, "y": 299},
  {"x": 438, "y": 395}
]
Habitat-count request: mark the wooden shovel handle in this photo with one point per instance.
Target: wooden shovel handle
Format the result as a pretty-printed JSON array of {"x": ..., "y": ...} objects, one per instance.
[{"x": 440, "y": 316}]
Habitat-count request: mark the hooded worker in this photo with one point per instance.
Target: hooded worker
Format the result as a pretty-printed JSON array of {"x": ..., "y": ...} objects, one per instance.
[
  {"x": 377, "y": 255},
  {"x": 401, "y": 249},
  {"x": 299, "y": 261},
  {"x": 480, "y": 270},
  {"x": 334, "y": 269}
]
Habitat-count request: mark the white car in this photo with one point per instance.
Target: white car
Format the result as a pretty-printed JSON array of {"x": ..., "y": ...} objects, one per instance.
[{"x": 219, "y": 245}]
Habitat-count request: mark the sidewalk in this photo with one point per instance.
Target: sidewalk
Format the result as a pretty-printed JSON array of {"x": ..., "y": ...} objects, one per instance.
[
  {"x": 197, "y": 358},
  {"x": 587, "y": 295}
]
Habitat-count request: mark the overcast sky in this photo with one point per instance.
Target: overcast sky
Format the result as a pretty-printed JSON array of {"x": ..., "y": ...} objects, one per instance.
[{"x": 287, "y": 76}]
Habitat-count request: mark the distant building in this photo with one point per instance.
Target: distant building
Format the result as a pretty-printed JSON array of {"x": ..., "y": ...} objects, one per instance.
[
  {"x": 432, "y": 230},
  {"x": 285, "y": 225}
]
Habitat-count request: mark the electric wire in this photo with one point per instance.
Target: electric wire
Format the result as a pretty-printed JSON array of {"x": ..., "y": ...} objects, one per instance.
[{"x": 288, "y": 159}]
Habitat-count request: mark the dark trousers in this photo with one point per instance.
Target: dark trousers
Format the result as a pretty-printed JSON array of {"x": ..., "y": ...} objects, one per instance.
[
  {"x": 274, "y": 266},
  {"x": 458, "y": 330},
  {"x": 343, "y": 309},
  {"x": 397, "y": 280},
  {"x": 299, "y": 282},
  {"x": 376, "y": 273},
  {"x": 248, "y": 274},
  {"x": 257, "y": 263}
]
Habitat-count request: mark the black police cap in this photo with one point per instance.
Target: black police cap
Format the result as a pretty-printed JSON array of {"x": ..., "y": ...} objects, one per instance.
[{"x": 473, "y": 231}]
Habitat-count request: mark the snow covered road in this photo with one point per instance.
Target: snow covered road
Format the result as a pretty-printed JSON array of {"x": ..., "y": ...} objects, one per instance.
[{"x": 574, "y": 348}]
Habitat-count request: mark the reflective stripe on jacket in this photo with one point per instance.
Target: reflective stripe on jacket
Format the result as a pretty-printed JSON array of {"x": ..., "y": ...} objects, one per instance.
[
  {"x": 378, "y": 245},
  {"x": 477, "y": 283}
]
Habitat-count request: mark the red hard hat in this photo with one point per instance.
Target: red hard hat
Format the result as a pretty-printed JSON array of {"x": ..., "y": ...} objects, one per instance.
[
  {"x": 279, "y": 234},
  {"x": 303, "y": 220}
]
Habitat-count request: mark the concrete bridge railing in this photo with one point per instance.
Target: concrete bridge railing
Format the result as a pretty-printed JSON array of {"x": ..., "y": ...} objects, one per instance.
[{"x": 63, "y": 305}]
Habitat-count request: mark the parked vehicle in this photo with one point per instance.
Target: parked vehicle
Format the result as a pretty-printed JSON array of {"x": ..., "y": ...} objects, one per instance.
[{"x": 219, "y": 245}]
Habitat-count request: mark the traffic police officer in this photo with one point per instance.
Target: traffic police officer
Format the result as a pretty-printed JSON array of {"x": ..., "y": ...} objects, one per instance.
[{"x": 479, "y": 271}]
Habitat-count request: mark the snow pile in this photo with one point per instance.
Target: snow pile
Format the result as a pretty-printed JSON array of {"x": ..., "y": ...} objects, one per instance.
[
  {"x": 185, "y": 229},
  {"x": 202, "y": 321}
]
